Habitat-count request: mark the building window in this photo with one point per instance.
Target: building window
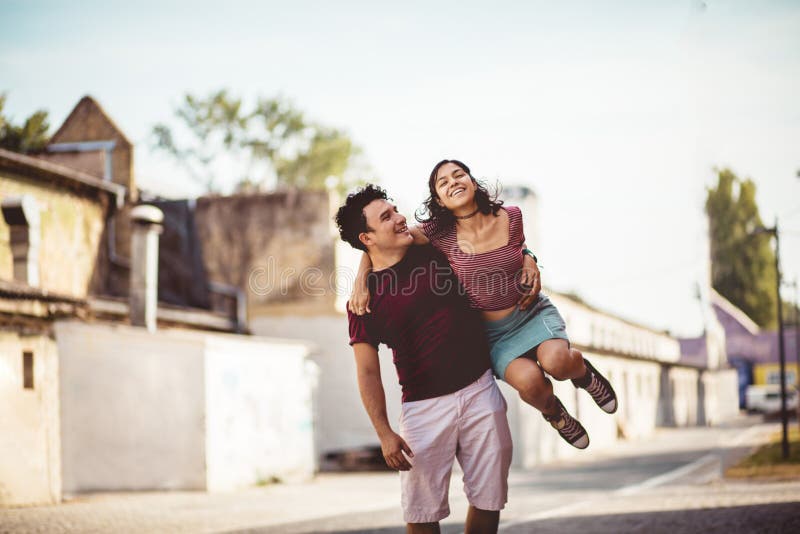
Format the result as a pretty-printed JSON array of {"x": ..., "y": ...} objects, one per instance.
[
  {"x": 27, "y": 370},
  {"x": 774, "y": 377}
]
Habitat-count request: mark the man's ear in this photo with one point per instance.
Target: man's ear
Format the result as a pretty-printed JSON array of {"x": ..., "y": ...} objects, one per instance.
[{"x": 365, "y": 238}]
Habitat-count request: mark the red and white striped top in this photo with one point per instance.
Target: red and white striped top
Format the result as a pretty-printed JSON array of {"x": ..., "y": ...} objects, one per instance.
[{"x": 491, "y": 278}]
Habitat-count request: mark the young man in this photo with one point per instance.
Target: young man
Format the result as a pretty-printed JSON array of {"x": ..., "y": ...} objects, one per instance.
[{"x": 452, "y": 407}]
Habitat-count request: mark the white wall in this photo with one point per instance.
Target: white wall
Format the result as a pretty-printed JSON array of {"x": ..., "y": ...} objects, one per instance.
[
  {"x": 722, "y": 398},
  {"x": 30, "y": 468},
  {"x": 181, "y": 409},
  {"x": 132, "y": 409},
  {"x": 342, "y": 422},
  {"x": 684, "y": 396},
  {"x": 637, "y": 384},
  {"x": 259, "y": 412}
]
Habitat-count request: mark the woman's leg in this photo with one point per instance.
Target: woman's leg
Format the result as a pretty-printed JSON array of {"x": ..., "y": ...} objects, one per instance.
[
  {"x": 562, "y": 363},
  {"x": 559, "y": 360},
  {"x": 525, "y": 375}
]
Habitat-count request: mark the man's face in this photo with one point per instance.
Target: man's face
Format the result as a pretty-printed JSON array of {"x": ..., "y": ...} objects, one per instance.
[{"x": 387, "y": 227}]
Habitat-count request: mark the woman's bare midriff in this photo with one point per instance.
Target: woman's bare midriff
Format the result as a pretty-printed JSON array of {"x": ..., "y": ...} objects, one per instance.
[{"x": 496, "y": 315}]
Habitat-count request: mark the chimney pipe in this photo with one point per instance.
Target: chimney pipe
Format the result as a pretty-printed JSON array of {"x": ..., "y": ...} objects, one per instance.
[
  {"x": 147, "y": 225},
  {"x": 22, "y": 216}
]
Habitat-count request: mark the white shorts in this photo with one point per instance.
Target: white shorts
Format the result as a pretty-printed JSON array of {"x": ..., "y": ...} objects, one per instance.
[{"x": 469, "y": 425}]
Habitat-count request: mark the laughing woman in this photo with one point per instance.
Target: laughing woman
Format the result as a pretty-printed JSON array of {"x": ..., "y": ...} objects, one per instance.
[{"x": 485, "y": 245}]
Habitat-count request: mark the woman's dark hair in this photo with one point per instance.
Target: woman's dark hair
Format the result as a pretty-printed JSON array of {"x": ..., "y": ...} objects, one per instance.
[
  {"x": 442, "y": 217},
  {"x": 350, "y": 218}
]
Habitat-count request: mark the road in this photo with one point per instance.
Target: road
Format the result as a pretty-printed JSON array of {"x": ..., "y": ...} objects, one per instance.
[{"x": 671, "y": 483}]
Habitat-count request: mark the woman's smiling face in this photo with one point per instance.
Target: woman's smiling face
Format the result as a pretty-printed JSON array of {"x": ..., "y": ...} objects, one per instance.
[{"x": 454, "y": 187}]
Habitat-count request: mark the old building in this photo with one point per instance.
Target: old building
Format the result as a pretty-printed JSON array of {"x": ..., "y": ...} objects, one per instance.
[
  {"x": 104, "y": 385},
  {"x": 752, "y": 351}
]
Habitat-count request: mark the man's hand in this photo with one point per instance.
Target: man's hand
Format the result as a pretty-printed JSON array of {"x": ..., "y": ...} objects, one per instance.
[
  {"x": 359, "y": 299},
  {"x": 393, "y": 446},
  {"x": 530, "y": 281}
]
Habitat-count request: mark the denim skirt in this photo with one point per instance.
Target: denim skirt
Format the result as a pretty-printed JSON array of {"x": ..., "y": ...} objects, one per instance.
[{"x": 523, "y": 331}]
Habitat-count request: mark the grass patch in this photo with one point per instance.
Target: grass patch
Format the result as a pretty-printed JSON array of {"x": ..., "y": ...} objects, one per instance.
[
  {"x": 268, "y": 481},
  {"x": 768, "y": 462}
]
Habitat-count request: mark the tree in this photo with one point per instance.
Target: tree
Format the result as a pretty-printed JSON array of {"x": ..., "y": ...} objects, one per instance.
[
  {"x": 29, "y": 137},
  {"x": 742, "y": 263},
  {"x": 272, "y": 145}
]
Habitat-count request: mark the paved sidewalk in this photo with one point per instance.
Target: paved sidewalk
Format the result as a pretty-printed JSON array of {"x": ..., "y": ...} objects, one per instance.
[
  {"x": 602, "y": 486},
  {"x": 180, "y": 511}
]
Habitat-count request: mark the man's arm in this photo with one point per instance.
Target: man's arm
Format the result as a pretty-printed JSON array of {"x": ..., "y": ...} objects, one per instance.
[{"x": 374, "y": 399}]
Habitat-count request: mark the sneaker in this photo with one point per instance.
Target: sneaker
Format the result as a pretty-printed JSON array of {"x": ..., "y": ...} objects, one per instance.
[
  {"x": 600, "y": 389},
  {"x": 568, "y": 427}
]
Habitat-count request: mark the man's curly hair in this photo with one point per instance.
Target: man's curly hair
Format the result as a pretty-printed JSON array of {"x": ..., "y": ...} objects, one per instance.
[{"x": 350, "y": 218}]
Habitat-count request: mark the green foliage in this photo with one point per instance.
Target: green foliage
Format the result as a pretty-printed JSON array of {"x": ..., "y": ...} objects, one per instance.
[
  {"x": 742, "y": 262},
  {"x": 328, "y": 154},
  {"x": 271, "y": 142},
  {"x": 791, "y": 313},
  {"x": 29, "y": 137}
]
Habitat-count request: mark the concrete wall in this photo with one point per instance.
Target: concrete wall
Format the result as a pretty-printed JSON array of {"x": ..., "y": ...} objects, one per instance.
[
  {"x": 721, "y": 399},
  {"x": 277, "y": 247},
  {"x": 259, "y": 414},
  {"x": 72, "y": 226},
  {"x": 30, "y": 469},
  {"x": 132, "y": 409},
  {"x": 181, "y": 409},
  {"x": 342, "y": 422},
  {"x": 684, "y": 396}
]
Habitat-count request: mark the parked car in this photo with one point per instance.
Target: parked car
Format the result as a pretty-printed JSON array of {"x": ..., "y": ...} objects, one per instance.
[{"x": 767, "y": 398}]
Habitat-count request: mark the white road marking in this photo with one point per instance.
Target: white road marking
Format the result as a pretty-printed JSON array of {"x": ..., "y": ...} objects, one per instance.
[{"x": 669, "y": 476}]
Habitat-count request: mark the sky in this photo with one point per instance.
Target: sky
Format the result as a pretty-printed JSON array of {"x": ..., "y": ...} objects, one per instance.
[{"x": 615, "y": 113}]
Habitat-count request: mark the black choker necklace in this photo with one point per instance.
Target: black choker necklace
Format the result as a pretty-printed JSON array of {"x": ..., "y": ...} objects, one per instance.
[{"x": 462, "y": 217}]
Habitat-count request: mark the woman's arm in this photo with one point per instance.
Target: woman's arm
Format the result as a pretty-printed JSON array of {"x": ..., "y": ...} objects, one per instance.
[
  {"x": 419, "y": 237},
  {"x": 359, "y": 298},
  {"x": 531, "y": 280}
]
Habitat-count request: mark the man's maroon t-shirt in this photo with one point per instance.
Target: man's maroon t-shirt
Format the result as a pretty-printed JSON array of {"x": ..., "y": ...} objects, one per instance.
[{"x": 423, "y": 315}]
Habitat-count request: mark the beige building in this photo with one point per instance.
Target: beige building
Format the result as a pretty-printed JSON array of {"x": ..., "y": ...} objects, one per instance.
[{"x": 104, "y": 385}]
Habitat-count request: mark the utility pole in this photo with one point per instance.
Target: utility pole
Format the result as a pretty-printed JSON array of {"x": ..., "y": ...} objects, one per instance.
[
  {"x": 797, "y": 350},
  {"x": 781, "y": 348},
  {"x": 796, "y": 322}
]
